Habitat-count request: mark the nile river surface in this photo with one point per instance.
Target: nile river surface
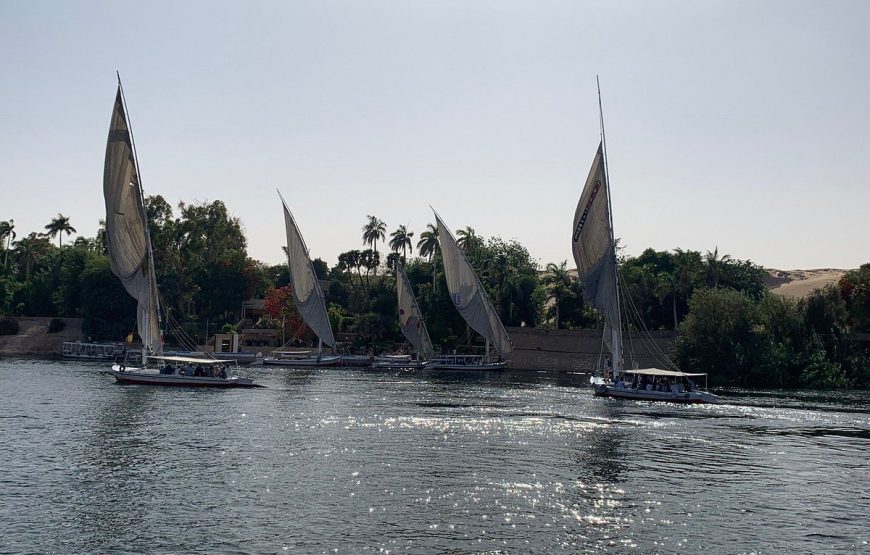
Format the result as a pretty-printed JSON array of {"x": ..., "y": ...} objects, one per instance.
[{"x": 352, "y": 461}]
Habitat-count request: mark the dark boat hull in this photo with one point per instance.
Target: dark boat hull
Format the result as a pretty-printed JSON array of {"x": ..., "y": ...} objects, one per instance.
[
  {"x": 693, "y": 397},
  {"x": 174, "y": 380}
]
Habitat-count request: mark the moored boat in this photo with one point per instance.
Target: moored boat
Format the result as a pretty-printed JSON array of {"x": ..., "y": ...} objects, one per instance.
[
  {"x": 301, "y": 358},
  {"x": 309, "y": 300},
  {"x": 473, "y": 304},
  {"x": 92, "y": 351},
  {"x": 464, "y": 362},
  {"x": 413, "y": 327},
  {"x": 398, "y": 362}
]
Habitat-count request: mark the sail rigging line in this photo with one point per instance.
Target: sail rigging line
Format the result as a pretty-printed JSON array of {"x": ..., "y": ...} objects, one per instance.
[
  {"x": 646, "y": 337},
  {"x": 153, "y": 275},
  {"x": 628, "y": 319},
  {"x": 619, "y": 354},
  {"x": 181, "y": 334}
]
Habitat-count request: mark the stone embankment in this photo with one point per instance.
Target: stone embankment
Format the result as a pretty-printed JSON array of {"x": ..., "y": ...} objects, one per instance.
[
  {"x": 579, "y": 350},
  {"x": 534, "y": 348},
  {"x": 33, "y": 338}
]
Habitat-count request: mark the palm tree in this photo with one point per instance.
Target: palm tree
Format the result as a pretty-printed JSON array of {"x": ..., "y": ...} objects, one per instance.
[
  {"x": 688, "y": 265},
  {"x": 714, "y": 264},
  {"x": 401, "y": 239},
  {"x": 428, "y": 243},
  {"x": 467, "y": 239},
  {"x": 370, "y": 260},
  {"x": 559, "y": 284},
  {"x": 7, "y": 230},
  {"x": 31, "y": 250},
  {"x": 375, "y": 229},
  {"x": 58, "y": 227},
  {"x": 428, "y": 246},
  {"x": 668, "y": 284}
]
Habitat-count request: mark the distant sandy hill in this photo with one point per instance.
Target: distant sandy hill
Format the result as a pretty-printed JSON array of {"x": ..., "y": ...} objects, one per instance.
[
  {"x": 792, "y": 283},
  {"x": 800, "y": 283}
]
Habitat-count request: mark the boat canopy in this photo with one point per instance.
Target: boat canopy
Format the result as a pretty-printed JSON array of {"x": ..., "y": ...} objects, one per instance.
[
  {"x": 660, "y": 372},
  {"x": 190, "y": 359}
]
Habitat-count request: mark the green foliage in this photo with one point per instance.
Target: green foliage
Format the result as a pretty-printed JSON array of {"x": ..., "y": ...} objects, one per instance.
[
  {"x": 108, "y": 312},
  {"x": 771, "y": 342},
  {"x": 338, "y": 318},
  {"x": 661, "y": 283},
  {"x": 728, "y": 324},
  {"x": 855, "y": 289}
]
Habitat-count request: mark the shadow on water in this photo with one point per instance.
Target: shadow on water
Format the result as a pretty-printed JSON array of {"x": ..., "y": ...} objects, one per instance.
[
  {"x": 857, "y": 433},
  {"x": 600, "y": 452},
  {"x": 851, "y": 401}
]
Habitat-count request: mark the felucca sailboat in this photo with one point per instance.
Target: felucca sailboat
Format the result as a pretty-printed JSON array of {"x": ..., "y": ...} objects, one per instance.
[
  {"x": 413, "y": 327},
  {"x": 470, "y": 299},
  {"x": 594, "y": 249},
  {"x": 132, "y": 261},
  {"x": 309, "y": 300}
]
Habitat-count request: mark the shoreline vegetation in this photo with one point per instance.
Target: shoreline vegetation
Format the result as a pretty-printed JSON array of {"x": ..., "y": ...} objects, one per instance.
[{"x": 743, "y": 324}]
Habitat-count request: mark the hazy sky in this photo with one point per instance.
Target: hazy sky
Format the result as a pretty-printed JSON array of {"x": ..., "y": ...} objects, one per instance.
[{"x": 742, "y": 125}]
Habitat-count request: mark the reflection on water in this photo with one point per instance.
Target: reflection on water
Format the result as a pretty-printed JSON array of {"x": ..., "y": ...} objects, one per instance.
[{"x": 337, "y": 460}]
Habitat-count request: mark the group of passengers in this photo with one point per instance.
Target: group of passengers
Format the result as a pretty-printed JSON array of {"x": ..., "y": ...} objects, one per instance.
[
  {"x": 189, "y": 370},
  {"x": 655, "y": 384}
]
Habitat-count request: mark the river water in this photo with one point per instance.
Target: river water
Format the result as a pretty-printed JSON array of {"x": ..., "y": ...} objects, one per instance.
[{"x": 353, "y": 461}]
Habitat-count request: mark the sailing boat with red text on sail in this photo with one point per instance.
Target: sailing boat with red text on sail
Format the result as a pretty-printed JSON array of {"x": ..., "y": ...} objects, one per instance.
[{"x": 594, "y": 249}]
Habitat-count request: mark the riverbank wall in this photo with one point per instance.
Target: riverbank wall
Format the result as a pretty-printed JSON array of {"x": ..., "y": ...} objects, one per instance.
[
  {"x": 579, "y": 350},
  {"x": 34, "y": 339}
]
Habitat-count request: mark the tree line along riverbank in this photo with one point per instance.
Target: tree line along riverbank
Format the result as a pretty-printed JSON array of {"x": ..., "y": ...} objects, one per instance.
[{"x": 718, "y": 308}]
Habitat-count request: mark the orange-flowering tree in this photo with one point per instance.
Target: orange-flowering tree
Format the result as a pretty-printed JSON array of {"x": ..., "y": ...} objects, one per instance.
[{"x": 278, "y": 304}]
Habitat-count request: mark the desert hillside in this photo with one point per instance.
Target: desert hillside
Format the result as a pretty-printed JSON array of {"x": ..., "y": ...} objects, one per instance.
[{"x": 799, "y": 283}]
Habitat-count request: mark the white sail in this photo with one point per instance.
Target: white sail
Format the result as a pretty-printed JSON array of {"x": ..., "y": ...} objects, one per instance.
[
  {"x": 126, "y": 228},
  {"x": 468, "y": 294},
  {"x": 593, "y": 248},
  {"x": 307, "y": 295},
  {"x": 410, "y": 316}
]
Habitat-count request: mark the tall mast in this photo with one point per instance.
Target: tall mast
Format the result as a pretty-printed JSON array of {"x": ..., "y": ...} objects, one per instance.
[
  {"x": 152, "y": 275},
  {"x": 616, "y": 338}
]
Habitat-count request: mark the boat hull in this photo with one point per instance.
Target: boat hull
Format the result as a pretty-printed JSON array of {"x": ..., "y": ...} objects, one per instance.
[
  {"x": 410, "y": 365},
  {"x": 687, "y": 397},
  {"x": 303, "y": 362},
  {"x": 356, "y": 361},
  {"x": 137, "y": 376},
  {"x": 483, "y": 367}
]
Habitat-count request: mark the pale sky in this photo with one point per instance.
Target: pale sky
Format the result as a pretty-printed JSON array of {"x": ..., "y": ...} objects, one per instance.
[{"x": 742, "y": 125}]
